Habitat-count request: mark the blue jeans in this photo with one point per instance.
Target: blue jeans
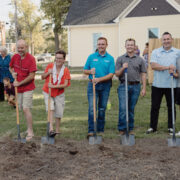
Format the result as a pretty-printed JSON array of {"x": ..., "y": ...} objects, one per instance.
[
  {"x": 133, "y": 95},
  {"x": 102, "y": 95}
]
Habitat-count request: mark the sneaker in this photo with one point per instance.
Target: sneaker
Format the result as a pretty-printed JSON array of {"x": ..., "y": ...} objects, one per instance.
[
  {"x": 121, "y": 133},
  {"x": 178, "y": 133},
  {"x": 150, "y": 130},
  {"x": 170, "y": 130}
]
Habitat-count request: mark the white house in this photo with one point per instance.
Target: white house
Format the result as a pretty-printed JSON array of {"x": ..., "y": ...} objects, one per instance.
[{"x": 117, "y": 20}]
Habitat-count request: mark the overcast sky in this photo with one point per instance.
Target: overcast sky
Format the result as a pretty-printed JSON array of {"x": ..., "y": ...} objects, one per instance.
[{"x": 6, "y": 7}]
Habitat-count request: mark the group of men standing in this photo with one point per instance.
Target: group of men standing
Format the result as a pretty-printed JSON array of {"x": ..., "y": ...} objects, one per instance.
[
  {"x": 164, "y": 60},
  {"x": 101, "y": 64}
]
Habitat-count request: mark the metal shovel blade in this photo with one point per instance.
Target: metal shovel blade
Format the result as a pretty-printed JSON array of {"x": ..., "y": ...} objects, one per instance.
[
  {"x": 21, "y": 140},
  {"x": 172, "y": 142},
  {"x": 95, "y": 140},
  {"x": 127, "y": 140},
  {"x": 47, "y": 140}
]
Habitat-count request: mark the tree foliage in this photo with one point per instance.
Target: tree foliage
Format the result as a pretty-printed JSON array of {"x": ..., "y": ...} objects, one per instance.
[
  {"x": 55, "y": 11},
  {"x": 29, "y": 24}
]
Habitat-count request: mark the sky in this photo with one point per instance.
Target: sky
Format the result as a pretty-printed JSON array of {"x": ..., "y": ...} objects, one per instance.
[{"x": 6, "y": 7}]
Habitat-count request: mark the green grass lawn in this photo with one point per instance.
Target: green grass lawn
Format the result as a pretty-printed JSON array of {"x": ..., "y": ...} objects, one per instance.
[{"x": 74, "y": 123}]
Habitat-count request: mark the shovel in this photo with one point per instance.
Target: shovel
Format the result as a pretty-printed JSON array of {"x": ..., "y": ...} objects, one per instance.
[
  {"x": 174, "y": 141},
  {"x": 47, "y": 139},
  {"x": 127, "y": 139},
  {"x": 19, "y": 139},
  {"x": 94, "y": 139}
]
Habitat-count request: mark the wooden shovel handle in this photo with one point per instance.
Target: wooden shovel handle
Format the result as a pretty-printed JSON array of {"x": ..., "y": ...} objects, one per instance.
[
  {"x": 49, "y": 99},
  {"x": 94, "y": 99},
  {"x": 17, "y": 107}
]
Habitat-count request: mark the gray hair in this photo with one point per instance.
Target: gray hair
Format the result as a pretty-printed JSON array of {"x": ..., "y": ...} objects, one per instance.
[{"x": 3, "y": 49}]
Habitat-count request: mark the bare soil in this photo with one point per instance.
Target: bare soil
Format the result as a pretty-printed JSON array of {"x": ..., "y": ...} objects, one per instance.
[{"x": 70, "y": 159}]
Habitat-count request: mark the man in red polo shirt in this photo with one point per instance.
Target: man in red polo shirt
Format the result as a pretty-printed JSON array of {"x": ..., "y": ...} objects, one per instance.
[{"x": 23, "y": 68}]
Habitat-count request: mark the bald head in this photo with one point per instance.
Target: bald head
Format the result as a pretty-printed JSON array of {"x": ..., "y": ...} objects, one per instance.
[{"x": 21, "y": 47}]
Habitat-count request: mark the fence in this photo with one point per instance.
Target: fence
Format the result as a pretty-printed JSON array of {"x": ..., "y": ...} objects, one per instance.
[{"x": 153, "y": 44}]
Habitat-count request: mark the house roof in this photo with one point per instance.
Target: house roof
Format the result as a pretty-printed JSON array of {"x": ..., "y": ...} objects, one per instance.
[
  {"x": 153, "y": 8},
  {"x": 95, "y": 11},
  {"x": 83, "y": 12}
]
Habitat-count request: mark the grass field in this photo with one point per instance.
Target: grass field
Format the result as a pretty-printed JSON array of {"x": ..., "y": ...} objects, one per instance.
[{"x": 74, "y": 123}]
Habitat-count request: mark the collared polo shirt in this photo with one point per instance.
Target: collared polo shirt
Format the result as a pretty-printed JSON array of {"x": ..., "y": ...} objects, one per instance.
[
  {"x": 24, "y": 67},
  {"x": 104, "y": 65},
  {"x": 56, "y": 91},
  {"x": 162, "y": 79},
  {"x": 136, "y": 66}
]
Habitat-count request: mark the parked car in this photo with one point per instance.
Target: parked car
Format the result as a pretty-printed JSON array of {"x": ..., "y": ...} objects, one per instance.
[{"x": 44, "y": 57}]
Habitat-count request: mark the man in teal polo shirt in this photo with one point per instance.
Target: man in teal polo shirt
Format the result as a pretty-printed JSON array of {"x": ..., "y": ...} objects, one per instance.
[
  {"x": 163, "y": 60},
  {"x": 102, "y": 65}
]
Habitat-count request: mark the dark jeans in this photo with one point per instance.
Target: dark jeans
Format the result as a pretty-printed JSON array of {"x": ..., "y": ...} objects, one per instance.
[
  {"x": 133, "y": 95},
  {"x": 177, "y": 95},
  {"x": 102, "y": 95},
  {"x": 1, "y": 92},
  {"x": 156, "y": 98}
]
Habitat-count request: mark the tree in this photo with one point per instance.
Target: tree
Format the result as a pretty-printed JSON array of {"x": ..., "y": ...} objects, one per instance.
[
  {"x": 55, "y": 11},
  {"x": 29, "y": 24}
]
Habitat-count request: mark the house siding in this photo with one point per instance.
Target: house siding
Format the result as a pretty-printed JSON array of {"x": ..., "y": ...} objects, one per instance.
[
  {"x": 81, "y": 42},
  {"x": 137, "y": 28}
]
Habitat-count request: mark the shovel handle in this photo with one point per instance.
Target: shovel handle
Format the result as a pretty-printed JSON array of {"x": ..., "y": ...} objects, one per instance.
[
  {"x": 94, "y": 100},
  {"x": 17, "y": 107},
  {"x": 49, "y": 99},
  {"x": 172, "y": 98},
  {"x": 126, "y": 96}
]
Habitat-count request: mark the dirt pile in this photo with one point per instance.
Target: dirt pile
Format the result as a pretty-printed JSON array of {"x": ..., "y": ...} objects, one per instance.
[{"x": 69, "y": 159}]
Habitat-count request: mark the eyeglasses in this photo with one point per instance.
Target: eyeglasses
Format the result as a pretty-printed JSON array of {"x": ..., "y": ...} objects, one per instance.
[{"x": 59, "y": 58}]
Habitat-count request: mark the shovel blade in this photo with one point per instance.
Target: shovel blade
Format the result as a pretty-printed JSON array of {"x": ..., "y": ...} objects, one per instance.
[
  {"x": 127, "y": 140},
  {"x": 95, "y": 140},
  {"x": 47, "y": 140},
  {"x": 21, "y": 140},
  {"x": 172, "y": 142}
]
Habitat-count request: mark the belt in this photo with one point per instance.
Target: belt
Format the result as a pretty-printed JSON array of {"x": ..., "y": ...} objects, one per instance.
[
  {"x": 102, "y": 81},
  {"x": 131, "y": 82}
]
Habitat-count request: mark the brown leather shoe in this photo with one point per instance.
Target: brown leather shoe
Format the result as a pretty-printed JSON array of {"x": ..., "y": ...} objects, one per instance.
[
  {"x": 131, "y": 132},
  {"x": 121, "y": 133},
  {"x": 89, "y": 135}
]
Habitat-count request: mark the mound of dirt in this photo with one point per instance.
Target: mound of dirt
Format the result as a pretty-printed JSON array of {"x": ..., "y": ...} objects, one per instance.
[{"x": 69, "y": 159}]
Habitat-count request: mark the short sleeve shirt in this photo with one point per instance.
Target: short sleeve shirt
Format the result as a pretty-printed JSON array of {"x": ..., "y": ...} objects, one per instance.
[
  {"x": 56, "y": 91},
  {"x": 10, "y": 91},
  {"x": 4, "y": 68},
  {"x": 136, "y": 66},
  {"x": 24, "y": 67},
  {"x": 162, "y": 79},
  {"x": 104, "y": 65}
]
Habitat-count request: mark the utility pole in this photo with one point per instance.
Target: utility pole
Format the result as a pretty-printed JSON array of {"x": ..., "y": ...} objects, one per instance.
[{"x": 16, "y": 22}]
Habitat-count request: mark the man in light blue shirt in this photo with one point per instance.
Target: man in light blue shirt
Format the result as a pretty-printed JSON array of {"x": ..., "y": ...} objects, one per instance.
[
  {"x": 163, "y": 60},
  {"x": 102, "y": 65}
]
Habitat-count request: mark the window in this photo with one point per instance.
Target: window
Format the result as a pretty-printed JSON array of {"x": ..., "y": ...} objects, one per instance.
[
  {"x": 153, "y": 33},
  {"x": 95, "y": 38}
]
